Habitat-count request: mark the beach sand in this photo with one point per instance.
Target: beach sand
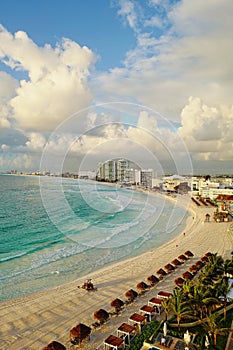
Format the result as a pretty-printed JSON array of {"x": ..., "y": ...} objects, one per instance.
[{"x": 32, "y": 322}]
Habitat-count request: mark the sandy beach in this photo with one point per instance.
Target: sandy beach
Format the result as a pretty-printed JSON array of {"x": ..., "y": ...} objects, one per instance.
[{"x": 32, "y": 322}]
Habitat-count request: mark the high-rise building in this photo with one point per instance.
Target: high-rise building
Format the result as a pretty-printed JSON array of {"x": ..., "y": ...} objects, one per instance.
[
  {"x": 122, "y": 165},
  {"x": 146, "y": 178}
]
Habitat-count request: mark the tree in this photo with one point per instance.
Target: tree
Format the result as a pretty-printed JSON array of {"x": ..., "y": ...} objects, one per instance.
[
  {"x": 178, "y": 306},
  {"x": 221, "y": 289},
  {"x": 214, "y": 328},
  {"x": 202, "y": 301},
  {"x": 166, "y": 306}
]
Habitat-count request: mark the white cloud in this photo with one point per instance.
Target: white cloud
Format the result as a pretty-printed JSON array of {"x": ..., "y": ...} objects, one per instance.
[
  {"x": 207, "y": 131},
  {"x": 192, "y": 57},
  {"x": 17, "y": 162},
  {"x": 127, "y": 11},
  {"x": 8, "y": 87},
  {"x": 57, "y": 86},
  {"x": 36, "y": 142}
]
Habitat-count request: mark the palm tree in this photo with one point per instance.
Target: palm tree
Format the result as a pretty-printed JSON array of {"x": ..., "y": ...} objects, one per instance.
[
  {"x": 201, "y": 301},
  {"x": 213, "y": 327},
  {"x": 178, "y": 306},
  {"x": 228, "y": 266},
  {"x": 221, "y": 289},
  {"x": 166, "y": 306}
]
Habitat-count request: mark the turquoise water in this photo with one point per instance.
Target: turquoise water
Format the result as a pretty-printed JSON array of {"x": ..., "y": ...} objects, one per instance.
[{"x": 55, "y": 230}]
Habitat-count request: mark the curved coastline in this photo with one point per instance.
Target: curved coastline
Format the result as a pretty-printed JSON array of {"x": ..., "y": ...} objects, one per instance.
[{"x": 33, "y": 321}]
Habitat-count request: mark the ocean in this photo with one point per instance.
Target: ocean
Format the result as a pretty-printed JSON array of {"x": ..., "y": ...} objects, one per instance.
[{"x": 54, "y": 230}]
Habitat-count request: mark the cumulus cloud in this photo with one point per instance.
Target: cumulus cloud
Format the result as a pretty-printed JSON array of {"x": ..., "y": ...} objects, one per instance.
[
  {"x": 207, "y": 131},
  {"x": 8, "y": 87},
  {"x": 57, "y": 83},
  {"x": 191, "y": 56},
  {"x": 36, "y": 142},
  {"x": 17, "y": 162}
]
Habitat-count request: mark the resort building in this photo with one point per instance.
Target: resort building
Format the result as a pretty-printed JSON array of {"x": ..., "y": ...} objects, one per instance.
[
  {"x": 122, "y": 165},
  {"x": 125, "y": 172},
  {"x": 107, "y": 171},
  {"x": 132, "y": 176},
  {"x": 146, "y": 178},
  {"x": 171, "y": 182}
]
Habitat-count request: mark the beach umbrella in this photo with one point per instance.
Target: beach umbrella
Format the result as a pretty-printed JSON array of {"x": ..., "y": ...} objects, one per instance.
[
  {"x": 182, "y": 257},
  {"x": 187, "y": 337},
  {"x": 142, "y": 286},
  {"x": 101, "y": 315},
  {"x": 165, "y": 329},
  {"x": 199, "y": 264},
  {"x": 176, "y": 262},
  {"x": 193, "y": 268},
  {"x": 117, "y": 304},
  {"x": 152, "y": 279},
  {"x": 189, "y": 254},
  {"x": 131, "y": 294},
  {"x": 187, "y": 275},
  {"x": 208, "y": 254},
  {"x": 161, "y": 272},
  {"x": 169, "y": 267},
  {"x": 179, "y": 281},
  {"x": 80, "y": 332},
  {"x": 54, "y": 345},
  {"x": 205, "y": 259}
]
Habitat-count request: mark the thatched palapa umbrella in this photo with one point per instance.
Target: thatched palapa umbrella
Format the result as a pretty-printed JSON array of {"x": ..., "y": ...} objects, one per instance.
[
  {"x": 189, "y": 254},
  {"x": 117, "y": 304},
  {"x": 169, "y": 267},
  {"x": 208, "y": 254},
  {"x": 199, "y": 264},
  {"x": 54, "y": 345},
  {"x": 193, "y": 268},
  {"x": 152, "y": 279},
  {"x": 176, "y": 262},
  {"x": 79, "y": 333},
  {"x": 179, "y": 281},
  {"x": 182, "y": 257},
  {"x": 205, "y": 259},
  {"x": 187, "y": 275},
  {"x": 101, "y": 315},
  {"x": 142, "y": 286},
  {"x": 131, "y": 294},
  {"x": 161, "y": 272}
]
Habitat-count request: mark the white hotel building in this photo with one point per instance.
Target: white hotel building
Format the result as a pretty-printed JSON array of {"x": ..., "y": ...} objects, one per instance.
[{"x": 120, "y": 170}]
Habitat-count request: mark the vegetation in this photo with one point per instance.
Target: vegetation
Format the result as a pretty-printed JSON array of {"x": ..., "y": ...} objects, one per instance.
[
  {"x": 200, "y": 300},
  {"x": 145, "y": 335},
  {"x": 201, "y": 304}
]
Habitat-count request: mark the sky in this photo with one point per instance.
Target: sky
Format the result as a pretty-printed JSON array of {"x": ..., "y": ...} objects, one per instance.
[{"x": 82, "y": 82}]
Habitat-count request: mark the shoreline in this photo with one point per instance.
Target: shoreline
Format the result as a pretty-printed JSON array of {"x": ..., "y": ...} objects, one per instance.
[
  {"x": 163, "y": 197},
  {"x": 33, "y": 321}
]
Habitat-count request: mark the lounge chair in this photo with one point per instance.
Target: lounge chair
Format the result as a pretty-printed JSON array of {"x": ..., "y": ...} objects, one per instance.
[
  {"x": 159, "y": 337},
  {"x": 168, "y": 341}
]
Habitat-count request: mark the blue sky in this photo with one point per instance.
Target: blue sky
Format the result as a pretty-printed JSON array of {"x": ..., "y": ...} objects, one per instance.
[
  {"x": 113, "y": 78},
  {"x": 95, "y": 24}
]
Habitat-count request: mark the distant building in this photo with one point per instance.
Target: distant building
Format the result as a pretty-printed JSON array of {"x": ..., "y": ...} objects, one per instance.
[
  {"x": 122, "y": 165},
  {"x": 170, "y": 183},
  {"x": 132, "y": 176},
  {"x": 111, "y": 171},
  {"x": 146, "y": 178},
  {"x": 125, "y": 172}
]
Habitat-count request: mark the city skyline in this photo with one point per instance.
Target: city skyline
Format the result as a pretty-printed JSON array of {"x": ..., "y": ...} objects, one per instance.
[{"x": 83, "y": 82}]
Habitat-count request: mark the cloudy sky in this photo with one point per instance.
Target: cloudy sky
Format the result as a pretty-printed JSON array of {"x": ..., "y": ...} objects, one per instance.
[{"x": 86, "y": 81}]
